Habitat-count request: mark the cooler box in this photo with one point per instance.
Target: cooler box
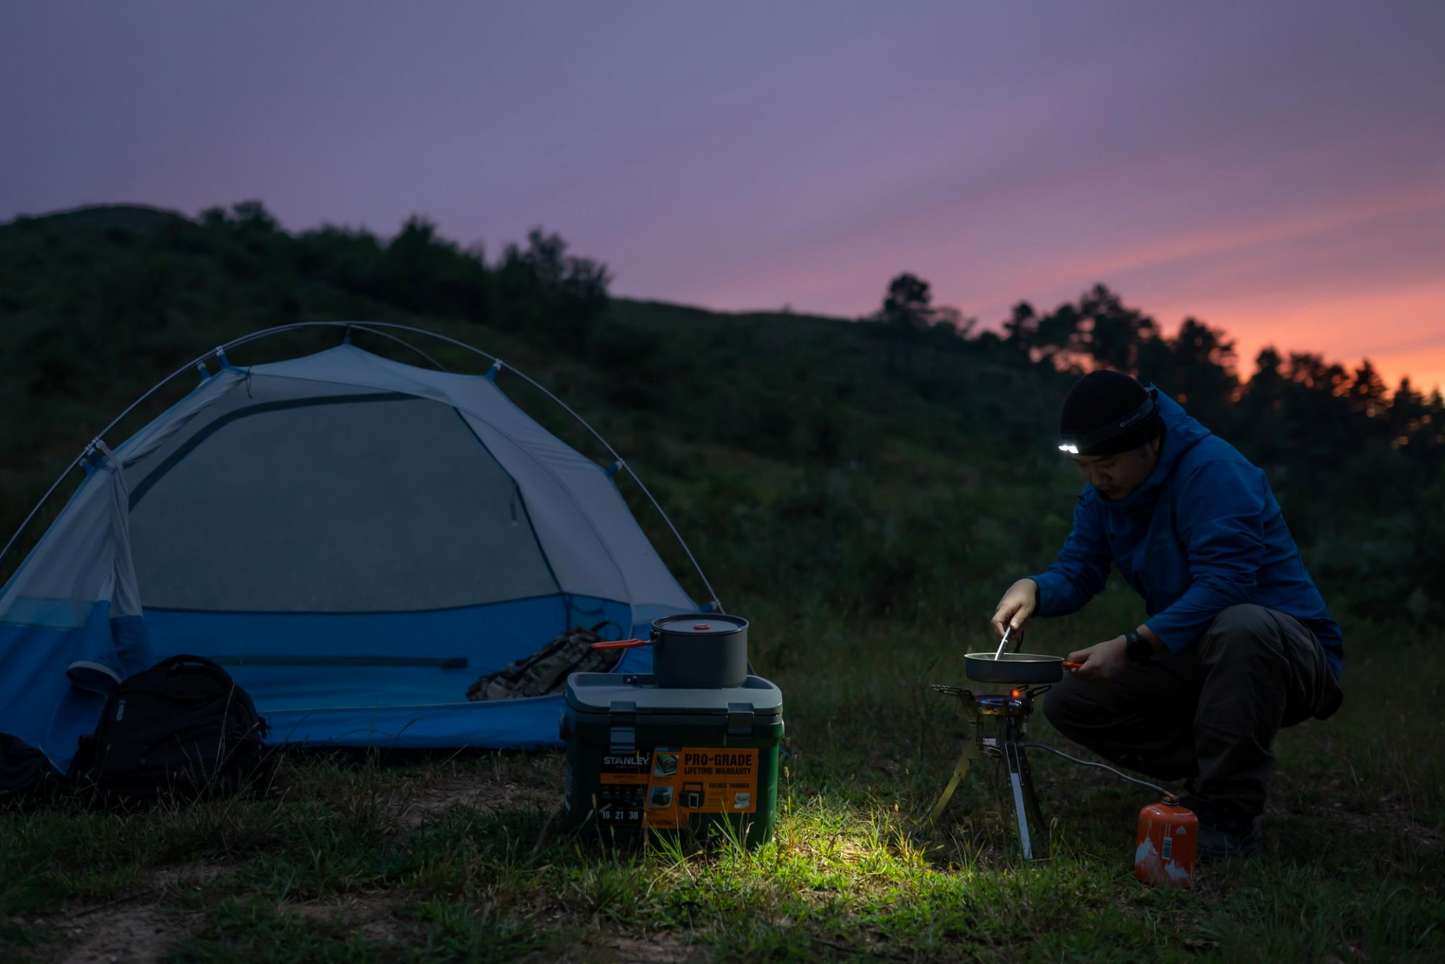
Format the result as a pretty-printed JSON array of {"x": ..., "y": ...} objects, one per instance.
[{"x": 640, "y": 757}]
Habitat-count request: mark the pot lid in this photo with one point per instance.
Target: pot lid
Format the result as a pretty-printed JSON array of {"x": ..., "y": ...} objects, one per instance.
[{"x": 700, "y": 624}]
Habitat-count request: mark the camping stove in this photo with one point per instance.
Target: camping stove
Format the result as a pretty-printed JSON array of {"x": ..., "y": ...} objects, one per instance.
[
  {"x": 997, "y": 721},
  {"x": 1167, "y": 831}
]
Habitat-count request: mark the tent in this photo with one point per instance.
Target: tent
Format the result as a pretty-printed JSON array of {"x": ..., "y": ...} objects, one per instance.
[{"x": 355, "y": 539}]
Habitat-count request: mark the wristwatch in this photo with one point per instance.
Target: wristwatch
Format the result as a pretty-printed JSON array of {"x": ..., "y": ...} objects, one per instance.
[{"x": 1137, "y": 648}]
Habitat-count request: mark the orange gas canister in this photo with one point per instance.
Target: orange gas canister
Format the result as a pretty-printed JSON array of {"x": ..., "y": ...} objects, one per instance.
[{"x": 1168, "y": 836}]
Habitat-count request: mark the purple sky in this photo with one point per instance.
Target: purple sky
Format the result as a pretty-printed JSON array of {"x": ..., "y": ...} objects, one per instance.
[{"x": 1275, "y": 168}]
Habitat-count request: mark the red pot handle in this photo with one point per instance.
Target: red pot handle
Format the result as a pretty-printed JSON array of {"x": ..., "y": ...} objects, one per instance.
[
  {"x": 621, "y": 643},
  {"x": 1069, "y": 665}
]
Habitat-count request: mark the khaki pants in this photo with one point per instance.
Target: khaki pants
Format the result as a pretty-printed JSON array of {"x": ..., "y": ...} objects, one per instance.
[{"x": 1209, "y": 713}]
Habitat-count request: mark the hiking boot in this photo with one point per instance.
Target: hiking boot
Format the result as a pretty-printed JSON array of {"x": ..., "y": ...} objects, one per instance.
[
  {"x": 1225, "y": 843},
  {"x": 1223, "y": 835}
]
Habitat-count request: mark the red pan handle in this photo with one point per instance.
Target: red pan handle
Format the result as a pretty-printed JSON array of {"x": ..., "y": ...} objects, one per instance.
[
  {"x": 621, "y": 643},
  {"x": 1069, "y": 665}
]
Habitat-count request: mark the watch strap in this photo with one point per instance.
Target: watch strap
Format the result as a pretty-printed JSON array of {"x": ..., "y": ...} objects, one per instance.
[{"x": 1137, "y": 648}]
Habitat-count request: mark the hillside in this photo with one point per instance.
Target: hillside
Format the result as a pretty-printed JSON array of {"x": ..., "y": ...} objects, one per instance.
[{"x": 854, "y": 466}]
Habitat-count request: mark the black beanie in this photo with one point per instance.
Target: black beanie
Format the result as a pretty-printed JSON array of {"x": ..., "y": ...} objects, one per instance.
[{"x": 1103, "y": 400}]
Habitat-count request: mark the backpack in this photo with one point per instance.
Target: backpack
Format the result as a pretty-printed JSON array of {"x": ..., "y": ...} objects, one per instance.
[
  {"x": 546, "y": 670},
  {"x": 182, "y": 728},
  {"x": 25, "y": 772}
]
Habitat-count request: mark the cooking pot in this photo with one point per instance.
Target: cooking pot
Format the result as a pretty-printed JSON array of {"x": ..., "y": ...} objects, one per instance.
[{"x": 695, "y": 650}]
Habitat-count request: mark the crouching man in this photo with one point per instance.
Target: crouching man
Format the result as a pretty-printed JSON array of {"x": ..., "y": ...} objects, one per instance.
[{"x": 1238, "y": 642}]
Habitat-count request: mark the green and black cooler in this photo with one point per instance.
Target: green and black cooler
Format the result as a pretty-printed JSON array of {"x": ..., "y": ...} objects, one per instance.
[{"x": 643, "y": 757}]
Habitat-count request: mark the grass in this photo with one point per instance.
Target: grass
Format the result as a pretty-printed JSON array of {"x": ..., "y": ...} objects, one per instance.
[{"x": 462, "y": 857}]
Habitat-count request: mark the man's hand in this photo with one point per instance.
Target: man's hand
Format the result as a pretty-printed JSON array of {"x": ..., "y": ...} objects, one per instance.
[
  {"x": 1016, "y": 606},
  {"x": 1102, "y": 660}
]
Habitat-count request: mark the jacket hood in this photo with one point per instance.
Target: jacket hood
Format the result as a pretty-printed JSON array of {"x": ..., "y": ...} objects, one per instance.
[{"x": 1181, "y": 433}]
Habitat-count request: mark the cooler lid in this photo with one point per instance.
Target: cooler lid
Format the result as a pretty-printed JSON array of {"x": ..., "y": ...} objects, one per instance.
[{"x": 597, "y": 692}]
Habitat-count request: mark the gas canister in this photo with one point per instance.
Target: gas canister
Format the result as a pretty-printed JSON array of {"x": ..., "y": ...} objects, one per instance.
[{"x": 1168, "y": 838}]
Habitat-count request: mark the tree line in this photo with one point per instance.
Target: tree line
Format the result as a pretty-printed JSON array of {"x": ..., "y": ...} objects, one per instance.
[
  {"x": 1294, "y": 407},
  {"x": 539, "y": 287}
]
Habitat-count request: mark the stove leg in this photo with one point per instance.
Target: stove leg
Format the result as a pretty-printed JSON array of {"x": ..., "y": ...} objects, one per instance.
[
  {"x": 960, "y": 770},
  {"x": 1026, "y": 804}
]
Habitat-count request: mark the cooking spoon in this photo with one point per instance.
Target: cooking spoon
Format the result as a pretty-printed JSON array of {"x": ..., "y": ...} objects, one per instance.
[{"x": 1003, "y": 642}]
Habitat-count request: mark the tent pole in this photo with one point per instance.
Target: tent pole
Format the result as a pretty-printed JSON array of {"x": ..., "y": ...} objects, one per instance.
[{"x": 404, "y": 342}]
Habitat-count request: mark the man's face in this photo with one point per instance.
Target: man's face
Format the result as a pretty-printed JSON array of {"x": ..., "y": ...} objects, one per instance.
[{"x": 1115, "y": 476}]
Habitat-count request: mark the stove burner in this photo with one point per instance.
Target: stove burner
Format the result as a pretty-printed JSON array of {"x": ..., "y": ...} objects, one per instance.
[{"x": 997, "y": 722}]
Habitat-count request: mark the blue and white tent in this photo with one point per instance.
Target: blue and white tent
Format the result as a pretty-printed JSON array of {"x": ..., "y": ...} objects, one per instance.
[{"x": 354, "y": 538}]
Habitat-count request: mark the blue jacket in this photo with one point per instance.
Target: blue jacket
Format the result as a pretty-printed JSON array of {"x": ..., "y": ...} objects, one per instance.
[{"x": 1203, "y": 533}]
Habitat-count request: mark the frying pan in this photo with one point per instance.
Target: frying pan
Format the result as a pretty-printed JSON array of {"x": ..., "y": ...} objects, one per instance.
[{"x": 1015, "y": 667}]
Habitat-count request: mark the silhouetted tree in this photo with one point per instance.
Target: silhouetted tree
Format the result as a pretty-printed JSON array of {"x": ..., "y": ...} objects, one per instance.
[
  {"x": 906, "y": 307},
  {"x": 1406, "y": 415},
  {"x": 1110, "y": 332},
  {"x": 1367, "y": 390},
  {"x": 1200, "y": 369},
  {"x": 1310, "y": 370},
  {"x": 251, "y": 217},
  {"x": 543, "y": 288},
  {"x": 1022, "y": 324},
  {"x": 906, "y": 311},
  {"x": 1268, "y": 380},
  {"x": 1257, "y": 425},
  {"x": 1056, "y": 337}
]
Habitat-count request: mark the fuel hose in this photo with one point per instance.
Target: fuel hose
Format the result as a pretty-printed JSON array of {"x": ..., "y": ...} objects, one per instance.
[{"x": 1167, "y": 794}]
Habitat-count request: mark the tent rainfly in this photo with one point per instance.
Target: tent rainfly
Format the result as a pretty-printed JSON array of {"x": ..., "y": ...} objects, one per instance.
[{"x": 353, "y": 538}]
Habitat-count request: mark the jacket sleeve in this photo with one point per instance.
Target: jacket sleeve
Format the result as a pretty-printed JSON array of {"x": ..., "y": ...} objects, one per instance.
[
  {"x": 1220, "y": 525},
  {"x": 1082, "y": 568}
]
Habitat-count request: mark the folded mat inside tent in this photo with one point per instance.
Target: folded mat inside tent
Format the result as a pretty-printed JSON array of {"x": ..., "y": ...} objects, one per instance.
[{"x": 546, "y": 670}]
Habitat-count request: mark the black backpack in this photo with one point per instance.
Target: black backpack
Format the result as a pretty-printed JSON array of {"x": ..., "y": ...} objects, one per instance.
[
  {"x": 182, "y": 728},
  {"x": 25, "y": 772}
]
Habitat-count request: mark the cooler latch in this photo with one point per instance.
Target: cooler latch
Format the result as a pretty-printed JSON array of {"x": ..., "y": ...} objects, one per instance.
[
  {"x": 622, "y": 737},
  {"x": 740, "y": 719}
]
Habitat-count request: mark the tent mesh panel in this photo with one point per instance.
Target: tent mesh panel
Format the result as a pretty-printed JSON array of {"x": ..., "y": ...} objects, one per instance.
[{"x": 370, "y": 503}]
